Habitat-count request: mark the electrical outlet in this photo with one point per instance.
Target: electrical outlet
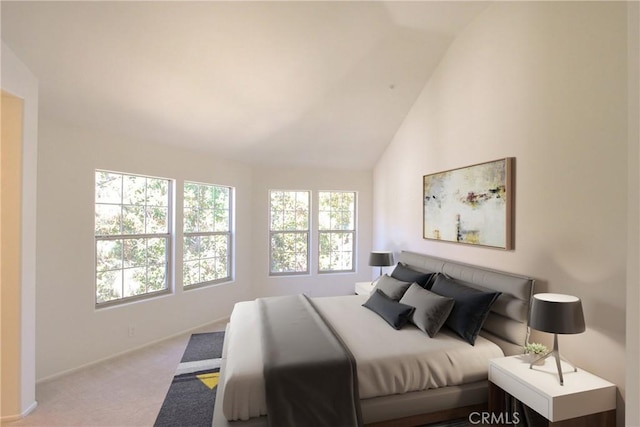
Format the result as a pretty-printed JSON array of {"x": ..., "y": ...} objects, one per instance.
[{"x": 132, "y": 330}]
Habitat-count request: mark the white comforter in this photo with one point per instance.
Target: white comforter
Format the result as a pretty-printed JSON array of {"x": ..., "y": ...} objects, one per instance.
[{"x": 388, "y": 361}]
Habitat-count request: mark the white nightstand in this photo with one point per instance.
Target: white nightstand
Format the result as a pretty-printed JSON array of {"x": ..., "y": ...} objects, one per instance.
[
  {"x": 364, "y": 288},
  {"x": 584, "y": 399}
]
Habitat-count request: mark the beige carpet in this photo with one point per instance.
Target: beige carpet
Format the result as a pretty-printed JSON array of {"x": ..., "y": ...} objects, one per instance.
[{"x": 124, "y": 391}]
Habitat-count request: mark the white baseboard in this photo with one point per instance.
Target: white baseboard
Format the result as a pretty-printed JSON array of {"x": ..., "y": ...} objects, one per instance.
[{"x": 12, "y": 418}]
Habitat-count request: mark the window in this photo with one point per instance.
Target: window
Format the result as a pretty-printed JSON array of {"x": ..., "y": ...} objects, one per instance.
[
  {"x": 207, "y": 234},
  {"x": 336, "y": 231},
  {"x": 289, "y": 232},
  {"x": 133, "y": 235}
]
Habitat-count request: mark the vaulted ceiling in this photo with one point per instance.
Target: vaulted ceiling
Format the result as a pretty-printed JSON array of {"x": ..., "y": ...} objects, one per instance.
[{"x": 310, "y": 84}]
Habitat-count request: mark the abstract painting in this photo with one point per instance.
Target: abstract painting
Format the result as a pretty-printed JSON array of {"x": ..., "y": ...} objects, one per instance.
[{"x": 471, "y": 205}]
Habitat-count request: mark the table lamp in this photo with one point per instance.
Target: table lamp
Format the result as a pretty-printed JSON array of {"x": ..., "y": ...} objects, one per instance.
[
  {"x": 556, "y": 314},
  {"x": 381, "y": 259}
]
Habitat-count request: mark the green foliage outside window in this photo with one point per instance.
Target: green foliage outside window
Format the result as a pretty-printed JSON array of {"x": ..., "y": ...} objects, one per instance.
[
  {"x": 289, "y": 252},
  {"x": 290, "y": 231},
  {"x": 289, "y": 227},
  {"x": 207, "y": 233},
  {"x": 132, "y": 229},
  {"x": 336, "y": 230}
]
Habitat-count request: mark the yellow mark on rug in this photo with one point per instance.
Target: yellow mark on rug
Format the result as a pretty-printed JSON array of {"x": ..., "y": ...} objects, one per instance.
[{"x": 210, "y": 380}]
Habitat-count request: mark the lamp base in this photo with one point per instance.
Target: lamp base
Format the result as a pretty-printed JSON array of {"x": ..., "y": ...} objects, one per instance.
[{"x": 556, "y": 354}]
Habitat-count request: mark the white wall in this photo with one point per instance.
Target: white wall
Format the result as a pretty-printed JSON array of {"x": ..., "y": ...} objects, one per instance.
[
  {"x": 10, "y": 253},
  {"x": 71, "y": 332},
  {"x": 315, "y": 180},
  {"x": 544, "y": 82},
  {"x": 633, "y": 255},
  {"x": 20, "y": 82}
]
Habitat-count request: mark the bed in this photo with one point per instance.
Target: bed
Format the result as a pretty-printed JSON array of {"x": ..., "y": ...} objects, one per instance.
[{"x": 404, "y": 377}]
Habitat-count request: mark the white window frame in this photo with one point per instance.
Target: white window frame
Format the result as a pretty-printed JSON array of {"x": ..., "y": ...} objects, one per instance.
[
  {"x": 198, "y": 234},
  {"x": 305, "y": 233},
  {"x": 124, "y": 237},
  {"x": 335, "y": 231}
]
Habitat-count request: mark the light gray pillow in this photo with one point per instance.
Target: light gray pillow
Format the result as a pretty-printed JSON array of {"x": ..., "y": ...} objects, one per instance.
[
  {"x": 431, "y": 310},
  {"x": 393, "y": 288}
]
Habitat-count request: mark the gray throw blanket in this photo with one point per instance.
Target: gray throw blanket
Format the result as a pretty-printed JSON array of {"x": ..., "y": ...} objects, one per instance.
[{"x": 310, "y": 376}]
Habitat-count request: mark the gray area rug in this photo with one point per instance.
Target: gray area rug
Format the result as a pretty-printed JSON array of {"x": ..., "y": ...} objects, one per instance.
[{"x": 189, "y": 401}]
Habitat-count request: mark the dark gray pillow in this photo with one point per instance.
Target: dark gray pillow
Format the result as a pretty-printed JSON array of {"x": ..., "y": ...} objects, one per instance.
[
  {"x": 432, "y": 310},
  {"x": 406, "y": 274},
  {"x": 471, "y": 307},
  {"x": 393, "y": 288},
  {"x": 394, "y": 313}
]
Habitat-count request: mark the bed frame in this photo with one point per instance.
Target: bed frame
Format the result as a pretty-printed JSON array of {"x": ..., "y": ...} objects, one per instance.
[{"x": 506, "y": 326}]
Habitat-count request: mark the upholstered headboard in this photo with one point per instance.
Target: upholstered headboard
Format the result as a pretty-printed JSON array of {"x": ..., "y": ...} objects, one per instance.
[{"x": 507, "y": 322}]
